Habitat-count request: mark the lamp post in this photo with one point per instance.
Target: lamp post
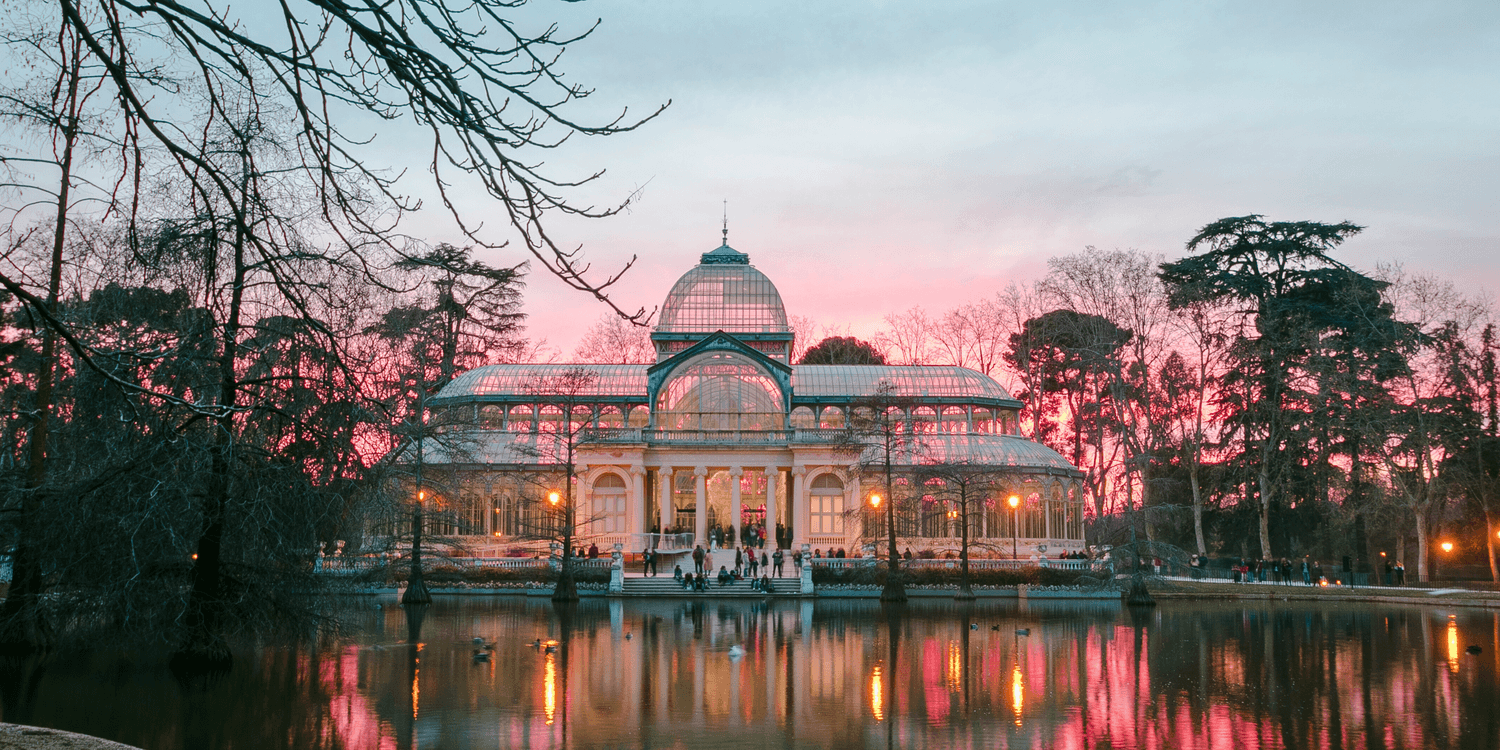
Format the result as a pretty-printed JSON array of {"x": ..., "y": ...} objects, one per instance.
[
  {"x": 1015, "y": 522},
  {"x": 875, "y": 500}
]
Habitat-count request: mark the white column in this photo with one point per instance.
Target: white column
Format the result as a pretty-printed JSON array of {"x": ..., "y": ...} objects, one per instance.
[
  {"x": 799, "y": 506},
  {"x": 735, "y": 474},
  {"x": 700, "y": 490},
  {"x": 664, "y": 477},
  {"x": 1047, "y": 507},
  {"x": 637, "y": 500},
  {"x": 773, "y": 478}
]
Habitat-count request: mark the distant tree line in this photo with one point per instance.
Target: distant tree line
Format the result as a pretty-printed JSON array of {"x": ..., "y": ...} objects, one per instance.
[{"x": 1255, "y": 398}]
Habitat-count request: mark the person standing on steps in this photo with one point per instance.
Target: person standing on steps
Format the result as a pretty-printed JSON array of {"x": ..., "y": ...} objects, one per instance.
[
  {"x": 777, "y": 560},
  {"x": 765, "y": 562},
  {"x": 739, "y": 560},
  {"x": 698, "y": 559}
]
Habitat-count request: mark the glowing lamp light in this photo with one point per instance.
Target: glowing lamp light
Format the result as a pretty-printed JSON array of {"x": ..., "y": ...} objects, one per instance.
[
  {"x": 875, "y": 501},
  {"x": 421, "y": 494},
  {"x": 1014, "y": 500},
  {"x": 195, "y": 555},
  {"x": 554, "y": 497},
  {"x": 1447, "y": 546}
]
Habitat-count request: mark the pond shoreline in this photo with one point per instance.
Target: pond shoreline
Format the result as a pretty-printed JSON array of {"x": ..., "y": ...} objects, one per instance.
[{"x": 23, "y": 737}]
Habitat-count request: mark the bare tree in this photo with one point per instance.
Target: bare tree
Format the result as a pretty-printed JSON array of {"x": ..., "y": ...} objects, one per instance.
[
  {"x": 963, "y": 487},
  {"x": 614, "y": 340},
  {"x": 880, "y": 428},
  {"x": 907, "y": 337}
]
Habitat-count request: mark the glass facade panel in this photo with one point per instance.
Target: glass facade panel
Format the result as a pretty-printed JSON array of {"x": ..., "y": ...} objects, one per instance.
[
  {"x": 610, "y": 417},
  {"x": 719, "y": 391},
  {"x": 955, "y": 419}
]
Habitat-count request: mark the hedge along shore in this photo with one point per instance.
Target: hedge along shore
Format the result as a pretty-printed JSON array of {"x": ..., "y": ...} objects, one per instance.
[
  {"x": 1184, "y": 588},
  {"x": 21, "y": 737}
]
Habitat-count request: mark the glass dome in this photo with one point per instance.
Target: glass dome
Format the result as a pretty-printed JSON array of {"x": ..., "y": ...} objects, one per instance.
[{"x": 723, "y": 293}]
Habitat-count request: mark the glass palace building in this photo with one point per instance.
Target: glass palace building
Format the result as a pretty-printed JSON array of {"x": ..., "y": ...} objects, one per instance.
[{"x": 724, "y": 435}]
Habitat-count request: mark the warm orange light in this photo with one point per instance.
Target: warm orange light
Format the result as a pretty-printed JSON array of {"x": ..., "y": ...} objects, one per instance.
[
  {"x": 1382, "y": 554},
  {"x": 1014, "y": 500},
  {"x": 875, "y": 501},
  {"x": 554, "y": 497},
  {"x": 421, "y": 494},
  {"x": 877, "y": 694},
  {"x": 195, "y": 555},
  {"x": 1447, "y": 546}
]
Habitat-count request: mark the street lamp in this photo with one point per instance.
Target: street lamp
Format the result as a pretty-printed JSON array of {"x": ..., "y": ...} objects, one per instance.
[
  {"x": 1015, "y": 522},
  {"x": 1447, "y": 546}
]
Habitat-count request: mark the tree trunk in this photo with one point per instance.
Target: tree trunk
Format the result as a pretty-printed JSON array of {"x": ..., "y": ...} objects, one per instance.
[
  {"x": 1197, "y": 509},
  {"x": 1490, "y": 544},
  {"x": 1422, "y": 547},
  {"x": 1265, "y": 513},
  {"x": 20, "y": 629},
  {"x": 965, "y": 591},
  {"x": 895, "y": 588}
]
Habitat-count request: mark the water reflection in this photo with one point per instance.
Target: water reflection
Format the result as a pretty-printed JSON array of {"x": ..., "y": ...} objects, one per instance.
[{"x": 830, "y": 674}]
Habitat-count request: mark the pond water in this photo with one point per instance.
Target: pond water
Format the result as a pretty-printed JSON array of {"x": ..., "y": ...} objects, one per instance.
[{"x": 1002, "y": 674}]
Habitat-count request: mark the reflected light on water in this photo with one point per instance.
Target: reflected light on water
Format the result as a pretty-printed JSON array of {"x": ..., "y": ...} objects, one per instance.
[
  {"x": 1190, "y": 676},
  {"x": 549, "y": 699},
  {"x": 1017, "y": 692},
  {"x": 1452, "y": 645}
]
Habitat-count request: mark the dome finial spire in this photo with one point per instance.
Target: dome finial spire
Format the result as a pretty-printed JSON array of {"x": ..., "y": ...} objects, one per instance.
[{"x": 726, "y": 223}]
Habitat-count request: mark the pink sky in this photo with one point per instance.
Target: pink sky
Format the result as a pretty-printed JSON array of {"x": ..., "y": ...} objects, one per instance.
[{"x": 881, "y": 155}]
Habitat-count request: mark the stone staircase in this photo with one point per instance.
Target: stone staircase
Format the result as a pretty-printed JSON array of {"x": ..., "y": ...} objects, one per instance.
[{"x": 666, "y": 586}]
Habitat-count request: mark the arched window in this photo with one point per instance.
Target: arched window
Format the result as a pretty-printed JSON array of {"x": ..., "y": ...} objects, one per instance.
[
  {"x": 583, "y": 416},
  {"x": 1056, "y": 513},
  {"x": 491, "y": 417},
  {"x": 609, "y": 504},
  {"x": 826, "y": 504},
  {"x": 520, "y": 419},
  {"x": 640, "y": 416},
  {"x": 802, "y": 418},
  {"x": 719, "y": 391},
  {"x": 1010, "y": 424},
  {"x": 1075, "y": 512},
  {"x": 924, "y": 419},
  {"x": 984, "y": 421},
  {"x": 955, "y": 420},
  {"x": 1033, "y": 522},
  {"x": 832, "y": 418},
  {"x": 611, "y": 418},
  {"x": 551, "y": 418}
]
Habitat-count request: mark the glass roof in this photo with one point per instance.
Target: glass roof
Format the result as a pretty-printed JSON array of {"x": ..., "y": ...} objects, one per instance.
[
  {"x": 919, "y": 381},
  {"x": 512, "y": 380},
  {"x": 723, "y": 293},
  {"x": 808, "y": 381},
  {"x": 982, "y": 452}
]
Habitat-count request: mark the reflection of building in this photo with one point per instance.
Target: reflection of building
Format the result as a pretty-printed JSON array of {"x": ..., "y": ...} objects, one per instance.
[{"x": 723, "y": 431}]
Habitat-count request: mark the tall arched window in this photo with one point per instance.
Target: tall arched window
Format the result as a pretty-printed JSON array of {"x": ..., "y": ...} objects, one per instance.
[
  {"x": 1056, "y": 513},
  {"x": 720, "y": 391},
  {"x": 609, "y": 504},
  {"x": 826, "y": 505}
]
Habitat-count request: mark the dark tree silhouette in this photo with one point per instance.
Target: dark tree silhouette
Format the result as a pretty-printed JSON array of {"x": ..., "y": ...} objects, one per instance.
[{"x": 842, "y": 350}]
